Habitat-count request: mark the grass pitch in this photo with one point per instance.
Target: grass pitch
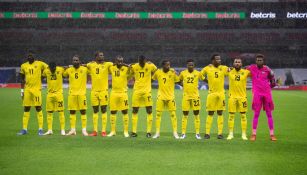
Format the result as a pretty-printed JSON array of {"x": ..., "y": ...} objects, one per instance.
[{"x": 33, "y": 154}]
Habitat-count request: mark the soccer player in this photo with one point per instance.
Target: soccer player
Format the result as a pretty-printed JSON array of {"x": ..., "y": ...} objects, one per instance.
[
  {"x": 215, "y": 74},
  {"x": 99, "y": 94},
  {"x": 31, "y": 74},
  {"x": 54, "y": 101},
  {"x": 77, "y": 75},
  {"x": 237, "y": 101},
  {"x": 119, "y": 97},
  {"x": 191, "y": 99},
  {"x": 262, "y": 82},
  {"x": 141, "y": 97},
  {"x": 166, "y": 78}
]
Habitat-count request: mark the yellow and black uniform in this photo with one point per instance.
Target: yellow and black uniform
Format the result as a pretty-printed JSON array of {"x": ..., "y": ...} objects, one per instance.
[
  {"x": 33, "y": 82},
  {"x": 237, "y": 101},
  {"x": 32, "y": 90},
  {"x": 142, "y": 86},
  {"x": 77, "y": 87},
  {"x": 119, "y": 96},
  {"x": 166, "y": 96},
  {"x": 191, "y": 99},
  {"x": 55, "y": 100},
  {"x": 216, "y": 94}
]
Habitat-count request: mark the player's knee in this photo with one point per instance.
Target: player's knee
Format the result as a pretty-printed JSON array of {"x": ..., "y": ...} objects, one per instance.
[
  {"x": 38, "y": 108},
  {"x": 125, "y": 111},
  {"x": 95, "y": 109},
  {"x": 149, "y": 110},
  {"x": 196, "y": 112},
  {"x": 173, "y": 114},
  {"x": 135, "y": 110},
  {"x": 27, "y": 108},
  {"x": 185, "y": 112},
  {"x": 210, "y": 112},
  {"x": 103, "y": 109},
  {"x": 83, "y": 112},
  {"x": 72, "y": 112},
  {"x": 113, "y": 112},
  {"x": 219, "y": 112}
]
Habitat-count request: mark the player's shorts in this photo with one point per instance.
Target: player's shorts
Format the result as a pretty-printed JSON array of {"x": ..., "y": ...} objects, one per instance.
[
  {"x": 141, "y": 99},
  {"x": 54, "y": 102},
  {"x": 163, "y": 105},
  {"x": 237, "y": 105},
  {"x": 193, "y": 104},
  {"x": 99, "y": 98},
  {"x": 265, "y": 101},
  {"x": 32, "y": 98},
  {"x": 119, "y": 101},
  {"x": 215, "y": 102},
  {"x": 77, "y": 102}
]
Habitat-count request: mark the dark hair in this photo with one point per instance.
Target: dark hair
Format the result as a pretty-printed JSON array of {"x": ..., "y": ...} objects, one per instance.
[
  {"x": 119, "y": 56},
  {"x": 97, "y": 53},
  {"x": 142, "y": 57},
  {"x": 164, "y": 62},
  {"x": 190, "y": 60},
  {"x": 260, "y": 56},
  {"x": 52, "y": 64},
  {"x": 77, "y": 56},
  {"x": 214, "y": 55}
]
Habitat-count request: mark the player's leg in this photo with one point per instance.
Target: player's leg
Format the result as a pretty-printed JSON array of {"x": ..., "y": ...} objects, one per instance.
[
  {"x": 114, "y": 100},
  {"x": 39, "y": 113},
  {"x": 49, "y": 123},
  {"x": 210, "y": 108},
  {"x": 196, "y": 106},
  {"x": 232, "y": 108},
  {"x": 159, "y": 109},
  {"x": 104, "y": 120},
  {"x": 25, "y": 120},
  {"x": 186, "y": 105},
  {"x": 220, "y": 118},
  {"x": 171, "y": 105},
  {"x": 82, "y": 103},
  {"x": 135, "y": 111},
  {"x": 113, "y": 123},
  {"x": 269, "y": 107},
  {"x": 256, "y": 106},
  {"x": 148, "y": 105},
  {"x": 149, "y": 121},
  {"x": 243, "y": 110},
  {"x": 126, "y": 122},
  {"x": 72, "y": 107},
  {"x": 50, "y": 107},
  {"x": 95, "y": 106}
]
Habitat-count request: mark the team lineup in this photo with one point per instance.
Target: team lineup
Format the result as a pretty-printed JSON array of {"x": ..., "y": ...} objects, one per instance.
[{"x": 143, "y": 73}]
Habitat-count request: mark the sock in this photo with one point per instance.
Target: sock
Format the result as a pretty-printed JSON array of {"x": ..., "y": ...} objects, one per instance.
[
  {"x": 40, "y": 119},
  {"x": 49, "y": 120},
  {"x": 104, "y": 121},
  {"x": 220, "y": 123},
  {"x": 270, "y": 122},
  {"x": 158, "y": 121},
  {"x": 113, "y": 123},
  {"x": 231, "y": 122},
  {"x": 83, "y": 121},
  {"x": 95, "y": 122},
  {"x": 25, "y": 120},
  {"x": 62, "y": 120},
  {"x": 184, "y": 124},
  {"x": 197, "y": 124},
  {"x": 126, "y": 123},
  {"x": 73, "y": 119},
  {"x": 243, "y": 123},
  {"x": 149, "y": 122},
  {"x": 174, "y": 121},
  {"x": 134, "y": 122},
  {"x": 208, "y": 124},
  {"x": 255, "y": 121}
]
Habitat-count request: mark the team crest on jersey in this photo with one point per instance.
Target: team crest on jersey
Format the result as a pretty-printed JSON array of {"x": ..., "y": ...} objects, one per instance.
[
  {"x": 220, "y": 69},
  {"x": 35, "y": 66},
  {"x": 122, "y": 69},
  {"x": 57, "y": 72},
  {"x": 146, "y": 70}
]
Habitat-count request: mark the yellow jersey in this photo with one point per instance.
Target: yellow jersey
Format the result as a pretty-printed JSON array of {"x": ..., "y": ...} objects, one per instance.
[
  {"x": 190, "y": 83},
  {"x": 237, "y": 83},
  {"x": 33, "y": 74},
  {"x": 54, "y": 80},
  {"x": 215, "y": 77},
  {"x": 77, "y": 80},
  {"x": 166, "y": 83},
  {"x": 143, "y": 76},
  {"x": 120, "y": 78},
  {"x": 99, "y": 75}
]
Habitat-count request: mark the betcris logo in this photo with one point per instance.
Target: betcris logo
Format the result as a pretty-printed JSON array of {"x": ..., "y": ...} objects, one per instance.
[
  {"x": 262, "y": 15},
  {"x": 297, "y": 15}
]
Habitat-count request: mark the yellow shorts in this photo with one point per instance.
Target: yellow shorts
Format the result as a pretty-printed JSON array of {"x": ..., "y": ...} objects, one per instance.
[
  {"x": 118, "y": 101},
  {"x": 54, "y": 102},
  {"x": 237, "y": 105},
  {"x": 32, "y": 97},
  {"x": 99, "y": 98},
  {"x": 193, "y": 104},
  {"x": 141, "y": 99},
  {"x": 215, "y": 102},
  {"x": 77, "y": 102},
  {"x": 163, "y": 105}
]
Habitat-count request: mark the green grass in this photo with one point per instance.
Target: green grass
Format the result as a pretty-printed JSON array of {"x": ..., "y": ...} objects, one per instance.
[{"x": 32, "y": 154}]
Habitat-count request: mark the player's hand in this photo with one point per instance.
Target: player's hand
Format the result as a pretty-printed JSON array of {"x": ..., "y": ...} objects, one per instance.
[{"x": 21, "y": 93}]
